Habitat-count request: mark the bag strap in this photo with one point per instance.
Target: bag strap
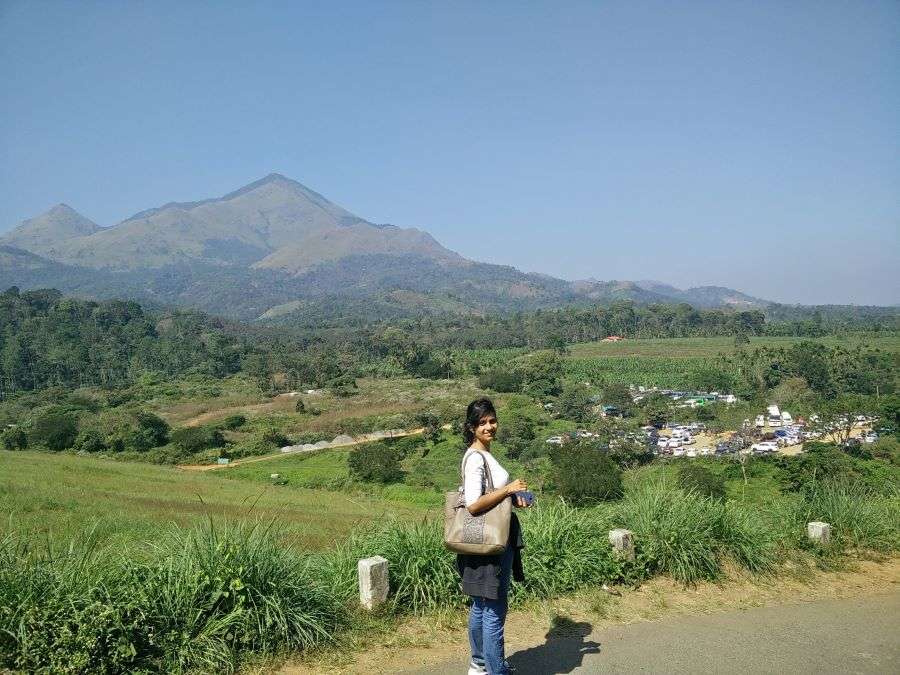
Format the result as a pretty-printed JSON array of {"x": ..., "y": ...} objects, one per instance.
[{"x": 487, "y": 472}]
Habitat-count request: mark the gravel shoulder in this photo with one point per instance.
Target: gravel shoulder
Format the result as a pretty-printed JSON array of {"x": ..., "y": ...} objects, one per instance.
[{"x": 802, "y": 621}]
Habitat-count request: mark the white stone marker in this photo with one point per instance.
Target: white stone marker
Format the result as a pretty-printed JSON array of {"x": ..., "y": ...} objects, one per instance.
[
  {"x": 373, "y": 581},
  {"x": 818, "y": 532},
  {"x": 623, "y": 543}
]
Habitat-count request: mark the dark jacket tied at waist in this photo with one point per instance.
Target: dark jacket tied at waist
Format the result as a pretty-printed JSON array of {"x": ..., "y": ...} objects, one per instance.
[{"x": 481, "y": 573}]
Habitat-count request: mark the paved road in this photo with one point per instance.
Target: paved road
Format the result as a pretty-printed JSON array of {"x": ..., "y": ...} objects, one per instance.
[{"x": 860, "y": 635}]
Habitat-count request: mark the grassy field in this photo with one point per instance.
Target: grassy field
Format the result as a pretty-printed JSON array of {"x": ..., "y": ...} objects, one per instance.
[
  {"x": 687, "y": 348},
  {"x": 672, "y": 362},
  {"x": 59, "y": 496}
]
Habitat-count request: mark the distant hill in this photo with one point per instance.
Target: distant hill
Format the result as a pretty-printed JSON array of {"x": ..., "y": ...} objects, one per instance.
[
  {"x": 704, "y": 296},
  {"x": 277, "y": 250}
]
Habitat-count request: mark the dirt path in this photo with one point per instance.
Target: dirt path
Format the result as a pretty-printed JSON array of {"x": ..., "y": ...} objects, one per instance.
[
  {"x": 280, "y": 402},
  {"x": 363, "y": 438},
  {"x": 665, "y": 627}
]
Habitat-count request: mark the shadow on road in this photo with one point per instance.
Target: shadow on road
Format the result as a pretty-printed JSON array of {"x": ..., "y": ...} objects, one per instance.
[{"x": 563, "y": 651}]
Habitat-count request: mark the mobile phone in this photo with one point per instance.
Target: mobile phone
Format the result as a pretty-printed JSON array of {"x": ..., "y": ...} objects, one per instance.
[{"x": 527, "y": 496}]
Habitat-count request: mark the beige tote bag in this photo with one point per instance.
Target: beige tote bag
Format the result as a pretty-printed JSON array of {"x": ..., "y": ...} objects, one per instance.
[{"x": 484, "y": 534}]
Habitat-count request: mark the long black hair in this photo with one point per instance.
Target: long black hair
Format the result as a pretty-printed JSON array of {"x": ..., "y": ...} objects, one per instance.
[{"x": 476, "y": 410}]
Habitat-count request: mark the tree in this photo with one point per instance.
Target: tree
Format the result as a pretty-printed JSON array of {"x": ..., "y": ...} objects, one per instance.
[
  {"x": 541, "y": 374},
  {"x": 712, "y": 378},
  {"x": 503, "y": 381},
  {"x": 197, "y": 439},
  {"x": 375, "y": 463},
  {"x": 516, "y": 432},
  {"x": 152, "y": 431},
  {"x": 809, "y": 360},
  {"x": 431, "y": 429},
  {"x": 574, "y": 403},
  {"x": 838, "y": 416},
  {"x": 583, "y": 475},
  {"x": 54, "y": 428},
  {"x": 657, "y": 410},
  {"x": 90, "y": 440},
  {"x": 15, "y": 439},
  {"x": 618, "y": 395},
  {"x": 628, "y": 454}
]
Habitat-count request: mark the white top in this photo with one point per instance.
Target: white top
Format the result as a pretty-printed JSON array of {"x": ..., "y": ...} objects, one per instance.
[{"x": 474, "y": 474}]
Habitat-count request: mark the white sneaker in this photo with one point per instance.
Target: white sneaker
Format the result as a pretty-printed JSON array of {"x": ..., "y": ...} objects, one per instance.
[{"x": 475, "y": 669}]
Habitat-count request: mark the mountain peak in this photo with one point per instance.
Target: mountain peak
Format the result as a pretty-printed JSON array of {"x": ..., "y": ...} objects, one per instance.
[
  {"x": 63, "y": 209},
  {"x": 43, "y": 233}
]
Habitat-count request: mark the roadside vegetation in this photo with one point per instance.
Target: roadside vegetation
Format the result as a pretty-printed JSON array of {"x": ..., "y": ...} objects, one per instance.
[{"x": 109, "y": 563}]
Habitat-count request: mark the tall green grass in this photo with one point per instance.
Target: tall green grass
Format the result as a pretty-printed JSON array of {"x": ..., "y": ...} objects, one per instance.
[
  {"x": 197, "y": 600},
  {"x": 203, "y": 599}
]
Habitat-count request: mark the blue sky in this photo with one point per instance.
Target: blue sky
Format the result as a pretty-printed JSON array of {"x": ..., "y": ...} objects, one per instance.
[{"x": 752, "y": 145}]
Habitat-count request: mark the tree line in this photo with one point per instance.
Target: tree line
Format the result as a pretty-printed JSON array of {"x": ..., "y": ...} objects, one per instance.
[{"x": 48, "y": 340}]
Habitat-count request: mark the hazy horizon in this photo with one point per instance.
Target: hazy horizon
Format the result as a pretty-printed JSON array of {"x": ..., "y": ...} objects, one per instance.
[{"x": 754, "y": 147}]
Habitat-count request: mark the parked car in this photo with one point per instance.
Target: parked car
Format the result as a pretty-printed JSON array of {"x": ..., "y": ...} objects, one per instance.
[
  {"x": 705, "y": 452},
  {"x": 870, "y": 437},
  {"x": 678, "y": 452},
  {"x": 764, "y": 447},
  {"x": 555, "y": 440}
]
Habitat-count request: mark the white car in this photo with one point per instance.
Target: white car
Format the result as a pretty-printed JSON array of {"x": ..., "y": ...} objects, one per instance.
[
  {"x": 870, "y": 437},
  {"x": 555, "y": 440},
  {"x": 691, "y": 453},
  {"x": 705, "y": 452},
  {"x": 764, "y": 446},
  {"x": 678, "y": 452}
]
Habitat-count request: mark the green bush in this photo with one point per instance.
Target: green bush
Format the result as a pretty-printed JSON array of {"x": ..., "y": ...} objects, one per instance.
[
  {"x": 197, "y": 439},
  {"x": 887, "y": 448},
  {"x": 276, "y": 438},
  {"x": 152, "y": 431},
  {"x": 503, "y": 381},
  {"x": 54, "y": 428},
  {"x": 375, "y": 463},
  {"x": 90, "y": 440},
  {"x": 233, "y": 422},
  {"x": 200, "y": 601},
  {"x": 583, "y": 474},
  {"x": 693, "y": 477},
  {"x": 824, "y": 462},
  {"x": 15, "y": 439}
]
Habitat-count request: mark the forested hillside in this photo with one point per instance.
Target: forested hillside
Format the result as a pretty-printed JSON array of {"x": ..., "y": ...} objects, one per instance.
[{"x": 47, "y": 339}]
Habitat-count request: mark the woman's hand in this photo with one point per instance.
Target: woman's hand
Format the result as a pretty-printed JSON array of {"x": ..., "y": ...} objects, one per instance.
[{"x": 518, "y": 485}]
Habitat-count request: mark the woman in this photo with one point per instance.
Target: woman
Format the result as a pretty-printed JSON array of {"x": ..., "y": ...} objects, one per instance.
[{"x": 486, "y": 578}]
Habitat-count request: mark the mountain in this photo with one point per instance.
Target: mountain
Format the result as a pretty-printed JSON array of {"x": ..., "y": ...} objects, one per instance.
[
  {"x": 274, "y": 222},
  {"x": 50, "y": 233},
  {"x": 704, "y": 296},
  {"x": 276, "y": 249}
]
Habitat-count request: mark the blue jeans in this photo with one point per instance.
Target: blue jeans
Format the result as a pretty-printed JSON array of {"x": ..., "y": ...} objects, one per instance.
[{"x": 486, "y": 619}]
